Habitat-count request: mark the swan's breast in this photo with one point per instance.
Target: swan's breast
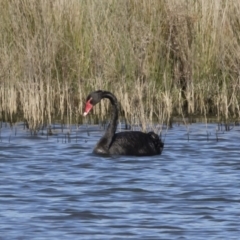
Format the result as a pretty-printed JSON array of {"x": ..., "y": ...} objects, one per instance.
[{"x": 99, "y": 150}]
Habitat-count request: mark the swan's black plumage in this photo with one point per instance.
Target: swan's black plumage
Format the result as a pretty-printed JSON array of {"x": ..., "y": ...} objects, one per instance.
[{"x": 123, "y": 143}]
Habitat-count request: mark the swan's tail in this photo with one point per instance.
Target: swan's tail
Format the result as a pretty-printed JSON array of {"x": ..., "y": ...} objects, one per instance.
[{"x": 157, "y": 141}]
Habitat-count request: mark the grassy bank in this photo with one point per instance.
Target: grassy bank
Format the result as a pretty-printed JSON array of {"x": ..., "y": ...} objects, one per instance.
[{"x": 160, "y": 58}]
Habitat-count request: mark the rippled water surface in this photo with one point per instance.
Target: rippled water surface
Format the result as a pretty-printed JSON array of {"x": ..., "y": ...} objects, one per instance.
[{"x": 53, "y": 187}]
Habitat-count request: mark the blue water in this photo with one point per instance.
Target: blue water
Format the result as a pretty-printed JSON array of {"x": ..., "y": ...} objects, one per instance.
[{"x": 53, "y": 187}]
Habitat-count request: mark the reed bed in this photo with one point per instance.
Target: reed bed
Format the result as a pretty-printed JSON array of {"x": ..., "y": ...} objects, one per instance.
[{"x": 160, "y": 58}]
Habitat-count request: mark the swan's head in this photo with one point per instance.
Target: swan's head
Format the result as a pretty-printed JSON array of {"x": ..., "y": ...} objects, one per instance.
[{"x": 92, "y": 99}]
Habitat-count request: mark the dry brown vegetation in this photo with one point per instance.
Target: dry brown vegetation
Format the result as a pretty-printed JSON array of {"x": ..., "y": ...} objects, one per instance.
[{"x": 160, "y": 58}]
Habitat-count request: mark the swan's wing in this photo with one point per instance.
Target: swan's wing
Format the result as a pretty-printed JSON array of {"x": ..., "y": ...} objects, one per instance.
[{"x": 134, "y": 143}]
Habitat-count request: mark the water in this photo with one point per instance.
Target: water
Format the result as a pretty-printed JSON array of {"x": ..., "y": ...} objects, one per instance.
[{"x": 53, "y": 187}]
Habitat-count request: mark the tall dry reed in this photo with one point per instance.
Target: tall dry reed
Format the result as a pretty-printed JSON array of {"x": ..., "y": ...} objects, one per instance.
[{"x": 160, "y": 58}]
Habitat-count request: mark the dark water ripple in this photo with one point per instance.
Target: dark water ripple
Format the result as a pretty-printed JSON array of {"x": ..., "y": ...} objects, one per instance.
[{"x": 53, "y": 187}]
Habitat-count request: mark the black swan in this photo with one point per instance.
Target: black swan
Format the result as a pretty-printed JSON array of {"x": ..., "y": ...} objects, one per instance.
[{"x": 123, "y": 143}]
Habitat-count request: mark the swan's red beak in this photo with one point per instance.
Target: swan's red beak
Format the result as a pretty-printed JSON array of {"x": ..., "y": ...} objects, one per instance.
[{"x": 88, "y": 107}]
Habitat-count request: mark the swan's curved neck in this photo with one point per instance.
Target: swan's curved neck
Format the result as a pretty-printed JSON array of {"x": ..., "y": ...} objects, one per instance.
[
  {"x": 106, "y": 140},
  {"x": 112, "y": 127}
]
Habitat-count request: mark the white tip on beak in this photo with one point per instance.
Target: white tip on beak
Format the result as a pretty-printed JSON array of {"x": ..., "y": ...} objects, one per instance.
[{"x": 85, "y": 114}]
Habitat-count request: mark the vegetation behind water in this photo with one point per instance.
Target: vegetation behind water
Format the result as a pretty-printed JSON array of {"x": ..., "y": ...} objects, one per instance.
[{"x": 160, "y": 58}]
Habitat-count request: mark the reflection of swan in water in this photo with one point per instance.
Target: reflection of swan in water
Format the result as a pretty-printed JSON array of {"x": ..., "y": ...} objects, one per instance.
[{"x": 123, "y": 143}]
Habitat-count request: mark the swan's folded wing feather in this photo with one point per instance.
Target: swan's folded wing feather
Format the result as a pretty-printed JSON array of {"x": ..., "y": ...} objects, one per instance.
[{"x": 135, "y": 143}]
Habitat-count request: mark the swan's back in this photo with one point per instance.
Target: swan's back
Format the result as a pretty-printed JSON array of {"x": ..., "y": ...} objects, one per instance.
[{"x": 134, "y": 143}]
